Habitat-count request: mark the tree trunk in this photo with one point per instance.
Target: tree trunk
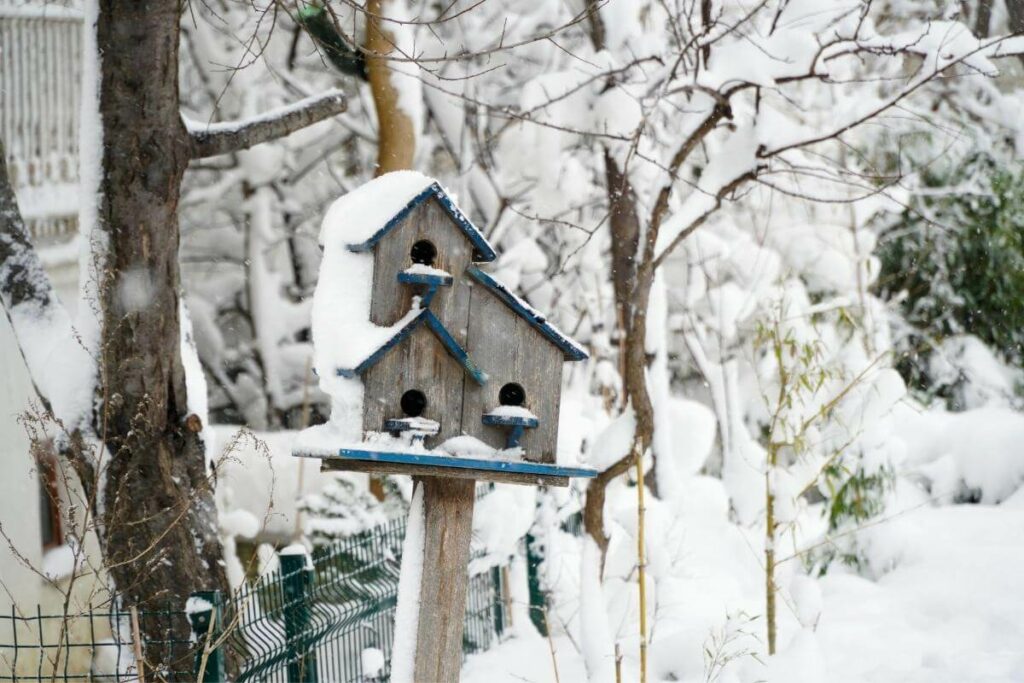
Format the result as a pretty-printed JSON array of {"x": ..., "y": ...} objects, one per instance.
[
  {"x": 632, "y": 283},
  {"x": 983, "y": 18},
  {"x": 151, "y": 490},
  {"x": 159, "y": 520},
  {"x": 396, "y": 131},
  {"x": 1015, "y": 10}
]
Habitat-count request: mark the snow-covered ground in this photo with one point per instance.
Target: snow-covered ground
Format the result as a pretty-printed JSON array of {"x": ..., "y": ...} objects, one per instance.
[{"x": 951, "y": 610}]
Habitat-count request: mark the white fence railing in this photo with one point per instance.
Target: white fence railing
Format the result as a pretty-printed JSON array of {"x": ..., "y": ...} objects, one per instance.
[{"x": 40, "y": 81}]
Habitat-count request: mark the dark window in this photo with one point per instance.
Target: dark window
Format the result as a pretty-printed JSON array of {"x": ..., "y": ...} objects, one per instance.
[
  {"x": 423, "y": 252},
  {"x": 511, "y": 395},
  {"x": 413, "y": 403},
  {"x": 49, "y": 504}
]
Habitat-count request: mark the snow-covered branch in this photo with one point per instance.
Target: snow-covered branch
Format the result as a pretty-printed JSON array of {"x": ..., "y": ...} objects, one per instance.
[
  {"x": 232, "y": 136},
  {"x": 41, "y": 324}
]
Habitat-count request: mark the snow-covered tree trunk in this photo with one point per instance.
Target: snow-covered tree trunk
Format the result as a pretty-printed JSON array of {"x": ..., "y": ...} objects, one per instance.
[
  {"x": 135, "y": 438},
  {"x": 396, "y": 94},
  {"x": 157, "y": 500}
]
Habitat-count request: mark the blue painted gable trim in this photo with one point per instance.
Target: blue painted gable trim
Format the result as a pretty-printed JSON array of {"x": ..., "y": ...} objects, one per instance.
[
  {"x": 454, "y": 349},
  {"x": 434, "y": 190},
  {"x": 381, "y": 351},
  {"x": 570, "y": 348}
]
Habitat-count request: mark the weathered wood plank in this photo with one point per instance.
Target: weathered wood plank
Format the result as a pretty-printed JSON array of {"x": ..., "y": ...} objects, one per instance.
[
  {"x": 448, "y": 511},
  {"x": 420, "y": 362},
  {"x": 509, "y": 349},
  {"x": 391, "y": 299},
  {"x": 540, "y": 364},
  {"x": 489, "y": 322},
  {"x": 339, "y": 465}
]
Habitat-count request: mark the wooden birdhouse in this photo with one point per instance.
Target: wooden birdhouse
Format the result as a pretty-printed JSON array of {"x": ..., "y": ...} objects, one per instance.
[
  {"x": 455, "y": 370},
  {"x": 437, "y": 370}
]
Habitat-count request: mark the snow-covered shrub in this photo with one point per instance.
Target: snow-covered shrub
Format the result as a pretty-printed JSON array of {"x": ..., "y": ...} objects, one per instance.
[
  {"x": 953, "y": 261},
  {"x": 344, "y": 508}
]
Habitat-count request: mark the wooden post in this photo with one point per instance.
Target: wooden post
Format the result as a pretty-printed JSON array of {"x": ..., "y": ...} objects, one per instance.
[{"x": 448, "y": 525}]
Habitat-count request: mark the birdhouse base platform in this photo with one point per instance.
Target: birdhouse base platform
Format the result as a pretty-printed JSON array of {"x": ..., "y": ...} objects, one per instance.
[{"x": 461, "y": 467}]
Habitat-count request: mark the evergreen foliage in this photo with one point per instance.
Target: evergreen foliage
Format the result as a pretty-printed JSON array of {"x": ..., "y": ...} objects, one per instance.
[{"x": 954, "y": 262}]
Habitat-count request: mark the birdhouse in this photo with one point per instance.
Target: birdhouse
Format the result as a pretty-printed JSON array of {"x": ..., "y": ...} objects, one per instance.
[{"x": 432, "y": 364}]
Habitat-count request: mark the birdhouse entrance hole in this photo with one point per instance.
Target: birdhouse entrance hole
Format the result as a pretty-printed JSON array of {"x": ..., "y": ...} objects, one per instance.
[
  {"x": 413, "y": 402},
  {"x": 511, "y": 395},
  {"x": 423, "y": 252}
]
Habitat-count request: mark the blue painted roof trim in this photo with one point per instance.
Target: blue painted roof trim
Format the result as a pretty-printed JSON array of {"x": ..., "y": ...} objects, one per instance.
[
  {"x": 425, "y": 316},
  {"x": 571, "y": 349},
  {"x": 476, "y": 237},
  {"x": 456, "y": 351},
  {"x": 391, "y": 343},
  {"x": 430, "y": 460}
]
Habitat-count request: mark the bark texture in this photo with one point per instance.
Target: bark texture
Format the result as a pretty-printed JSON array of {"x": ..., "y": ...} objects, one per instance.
[
  {"x": 159, "y": 516},
  {"x": 396, "y": 131},
  {"x": 1015, "y": 10},
  {"x": 152, "y": 491},
  {"x": 632, "y": 277},
  {"x": 217, "y": 139},
  {"x": 22, "y": 278}
]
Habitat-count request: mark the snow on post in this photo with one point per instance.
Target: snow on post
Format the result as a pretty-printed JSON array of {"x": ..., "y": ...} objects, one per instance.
[{"x": 407, "y": 611}]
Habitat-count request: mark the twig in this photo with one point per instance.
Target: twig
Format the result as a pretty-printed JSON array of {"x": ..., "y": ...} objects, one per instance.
[
  {"x": 137, "y": 643},
  {"x": 551, "y": 644},
  {"x": 207, "y": 649},
  {"x": 641, "y": 565}
]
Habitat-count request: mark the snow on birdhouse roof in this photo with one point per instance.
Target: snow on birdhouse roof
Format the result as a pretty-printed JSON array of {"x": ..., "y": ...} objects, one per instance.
[
  {"x": 571, "y": 349},
  {"x": 372, "y": 210},
  {"x": 401, "y": 331}
]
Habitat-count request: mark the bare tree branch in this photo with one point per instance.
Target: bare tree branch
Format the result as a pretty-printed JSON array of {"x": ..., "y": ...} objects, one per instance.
[
  {"x": 701, "y": 218},
  {"x": 233, "y": 136}
]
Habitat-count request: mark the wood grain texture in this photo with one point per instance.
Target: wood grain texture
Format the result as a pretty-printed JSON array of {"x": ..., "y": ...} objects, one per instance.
[
  {"x": 391, "y": 299},
  {"x": 505, "y": 346},
  {"x": 448, "y": 510},
  {"x": 509, "y": 349},
  {"x": 420, "y": 362},
  {"x": 339, "y": 465}
]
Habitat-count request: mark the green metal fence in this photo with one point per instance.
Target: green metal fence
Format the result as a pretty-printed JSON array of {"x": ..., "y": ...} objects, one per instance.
[
  {"x": 305, "y": 622},
  {"x": 93, "y": 644}
]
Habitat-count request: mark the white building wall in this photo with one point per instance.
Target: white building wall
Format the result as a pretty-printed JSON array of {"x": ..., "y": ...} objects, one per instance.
[
  {"x": 19, "y": 483},
  {"x": 39, "y": 103}
]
